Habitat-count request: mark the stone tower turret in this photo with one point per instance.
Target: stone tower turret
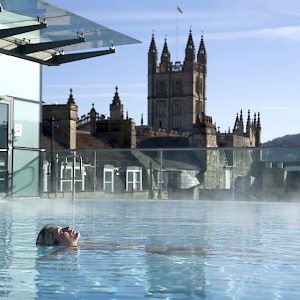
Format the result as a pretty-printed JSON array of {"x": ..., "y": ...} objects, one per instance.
[
  {"x": 238, "y": 128},
  {"x": 165, "y": 58},
  {"x": 116, "y": 108},
  {"x": 93, "y": 116},
  {"x": 204, "y": 132},
  {"x": 202, "y": 56},
  {"x": 190, "y": 53},
  {"x": 152, "y": 57},
  {"x": 71, "y": 99},
  {"x": 201, "y": 81},
  {"x": 248, "y": 125},
  {"x": 65, "y": 117},
  {"x": 258, "y": 132},
  {"x": 71, "y": 122}
]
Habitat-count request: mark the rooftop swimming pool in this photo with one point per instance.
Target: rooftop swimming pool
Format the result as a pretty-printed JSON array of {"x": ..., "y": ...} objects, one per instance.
[{"x": 252, "y": 250}]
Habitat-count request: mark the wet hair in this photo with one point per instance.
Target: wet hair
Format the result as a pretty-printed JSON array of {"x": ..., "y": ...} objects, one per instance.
[{"x": 46, "y": 238}]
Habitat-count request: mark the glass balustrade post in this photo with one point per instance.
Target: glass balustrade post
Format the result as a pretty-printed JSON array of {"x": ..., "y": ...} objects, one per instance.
[
  {"x": 95, "y": 170},
  {"x": 73, "y": 175},
  {"x": 160, "y": 177},
  {"x": 233, "y": 164}
]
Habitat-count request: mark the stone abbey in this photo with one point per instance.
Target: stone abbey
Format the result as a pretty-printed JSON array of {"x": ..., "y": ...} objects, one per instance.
[
  {"x": 177, "y": 109},
  {"x": 176, "y": 92},
  {"x": 177, "y": 100}
]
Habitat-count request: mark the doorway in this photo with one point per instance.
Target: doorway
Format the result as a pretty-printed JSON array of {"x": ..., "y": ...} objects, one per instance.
[{"x": 5, "y": 147}]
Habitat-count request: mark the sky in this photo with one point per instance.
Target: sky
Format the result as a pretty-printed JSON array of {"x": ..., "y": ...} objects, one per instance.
[{"x": 252, "y": 48}]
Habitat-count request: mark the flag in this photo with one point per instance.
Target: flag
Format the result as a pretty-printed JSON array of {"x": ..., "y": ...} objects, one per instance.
[{"x": 179, "y": 9}]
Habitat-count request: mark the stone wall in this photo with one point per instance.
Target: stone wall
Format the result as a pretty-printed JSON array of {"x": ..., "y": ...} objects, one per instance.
[
  {"x": 214, "y": 173},
  {"x": 232, "y": 140},
  {"x": 122, "y": 132},
  {"x": 65, "y": 118}
]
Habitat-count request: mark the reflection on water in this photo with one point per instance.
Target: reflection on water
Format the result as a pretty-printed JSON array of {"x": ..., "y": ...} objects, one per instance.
[{"x": 252, "y": 250}]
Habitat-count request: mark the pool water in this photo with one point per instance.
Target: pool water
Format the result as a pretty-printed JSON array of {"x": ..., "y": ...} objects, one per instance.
[{"x": 252, "y": 250}]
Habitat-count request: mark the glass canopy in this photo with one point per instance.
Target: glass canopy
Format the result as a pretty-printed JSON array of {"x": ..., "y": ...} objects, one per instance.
[{"x": 41, "y": 32}]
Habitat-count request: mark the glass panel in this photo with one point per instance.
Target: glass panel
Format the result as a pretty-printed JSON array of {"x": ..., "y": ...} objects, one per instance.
[
  {"x": 219, "y": 174},
  {"x": 108, "y": 176},
  {"x": 108, "y": 187},
  {"x": 78, "y": 173},
  {"x": 26, "y": 124},
  {"x": 26, "y": 73},
  {"x": 130, "y": 187},
  {"x": 3, "y": 125},
  {"x": 138, "y": 175},
  {"x": 25, "y": 173},
  {"x": 61, "y": 25},
  {"x": 130, "y": 176},
  {"x": 3, "y": 172},
  {"x": 3, "y": 147}
]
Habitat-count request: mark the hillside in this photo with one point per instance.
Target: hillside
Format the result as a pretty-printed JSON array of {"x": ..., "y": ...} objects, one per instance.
[{"x": 291, "y": 140}]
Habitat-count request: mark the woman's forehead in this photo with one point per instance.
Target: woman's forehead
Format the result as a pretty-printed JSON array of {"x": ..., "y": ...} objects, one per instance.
[{"x": 53, "y": 228}]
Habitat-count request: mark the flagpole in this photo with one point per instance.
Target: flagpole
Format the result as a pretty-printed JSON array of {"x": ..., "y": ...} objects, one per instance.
[
  {"x": 177, "y": 30},
  {"x": 178, "y": 10}
]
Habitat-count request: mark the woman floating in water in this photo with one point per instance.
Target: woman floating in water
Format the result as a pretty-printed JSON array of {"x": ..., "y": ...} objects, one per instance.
[
  {"x": 58, "y": 236},
  {"x": 68, "y": 237}
]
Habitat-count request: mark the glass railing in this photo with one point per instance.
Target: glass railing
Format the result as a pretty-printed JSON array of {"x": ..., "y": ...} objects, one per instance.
[
  {"x": 3, "y": 173},
  {"x": 200, "y": 174}
]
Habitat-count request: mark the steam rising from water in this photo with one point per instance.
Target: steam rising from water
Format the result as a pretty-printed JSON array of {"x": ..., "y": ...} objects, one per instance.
[{"x": 249, "y": 246}]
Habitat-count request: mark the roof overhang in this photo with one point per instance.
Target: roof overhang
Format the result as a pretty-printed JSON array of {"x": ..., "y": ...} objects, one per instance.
[{"x": 43, "y": 33}]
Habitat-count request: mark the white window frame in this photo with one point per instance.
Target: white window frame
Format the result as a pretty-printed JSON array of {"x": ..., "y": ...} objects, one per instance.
[
  {"x": 134, "y": 179},
  {"x": 109, "y": 184}
]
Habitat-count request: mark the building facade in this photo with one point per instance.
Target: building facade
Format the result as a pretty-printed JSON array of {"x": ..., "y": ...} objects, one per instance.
[
  {"x": 61, "y": 121},
  {"x": 176, "y": 91},
  {"x": 20, "y": 100},
  {"x": 120, "y": 131}
]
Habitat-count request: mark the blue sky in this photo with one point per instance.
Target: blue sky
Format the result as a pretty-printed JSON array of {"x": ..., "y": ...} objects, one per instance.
[{"x": 253, "y": 58}]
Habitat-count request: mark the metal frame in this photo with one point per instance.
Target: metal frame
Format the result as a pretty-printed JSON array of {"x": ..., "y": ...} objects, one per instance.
[
  {"x": 31, "y": 48},
  {"x": 9, "y": 32},
  {"x": 66, "y": 58},
  {"x": 22, "y": 51},
  {"x": 9, "y": 101}
]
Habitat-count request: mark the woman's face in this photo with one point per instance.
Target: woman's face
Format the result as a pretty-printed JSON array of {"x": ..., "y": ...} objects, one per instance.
[{"x": 65, "y": 236}]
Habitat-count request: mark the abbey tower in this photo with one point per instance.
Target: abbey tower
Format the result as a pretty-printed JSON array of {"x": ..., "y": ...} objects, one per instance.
[
  {"x": 176, "y": 92},
  {"x": 177, "y": 100}
]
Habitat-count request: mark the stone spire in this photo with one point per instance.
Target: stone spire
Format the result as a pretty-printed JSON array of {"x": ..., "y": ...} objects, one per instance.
[
  {"x": 152, "y": 56},
  {"x": 258, "y": 142},
  {"x": 248, "y": 119},
  {"x": 116, "y": 108},
  {"x": 152, "y": 48},
  {"x": 93, "y": 112},
  {"x": 190, "y": 49},
  {"x": 239, "y": 124},
  {"x": 202, "y": 55},
  {"x": 165, "y": 58},
  {"x": 248, "y": 126},
  {"x": 241, "y": 118},
  {"x": 71, "y": 98},
  {"x": 236, "y": 123},
  {"x": 116, "y": 100},
  {"x": 93, "y": 116},
  {"x": 258, "y": 120}
]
